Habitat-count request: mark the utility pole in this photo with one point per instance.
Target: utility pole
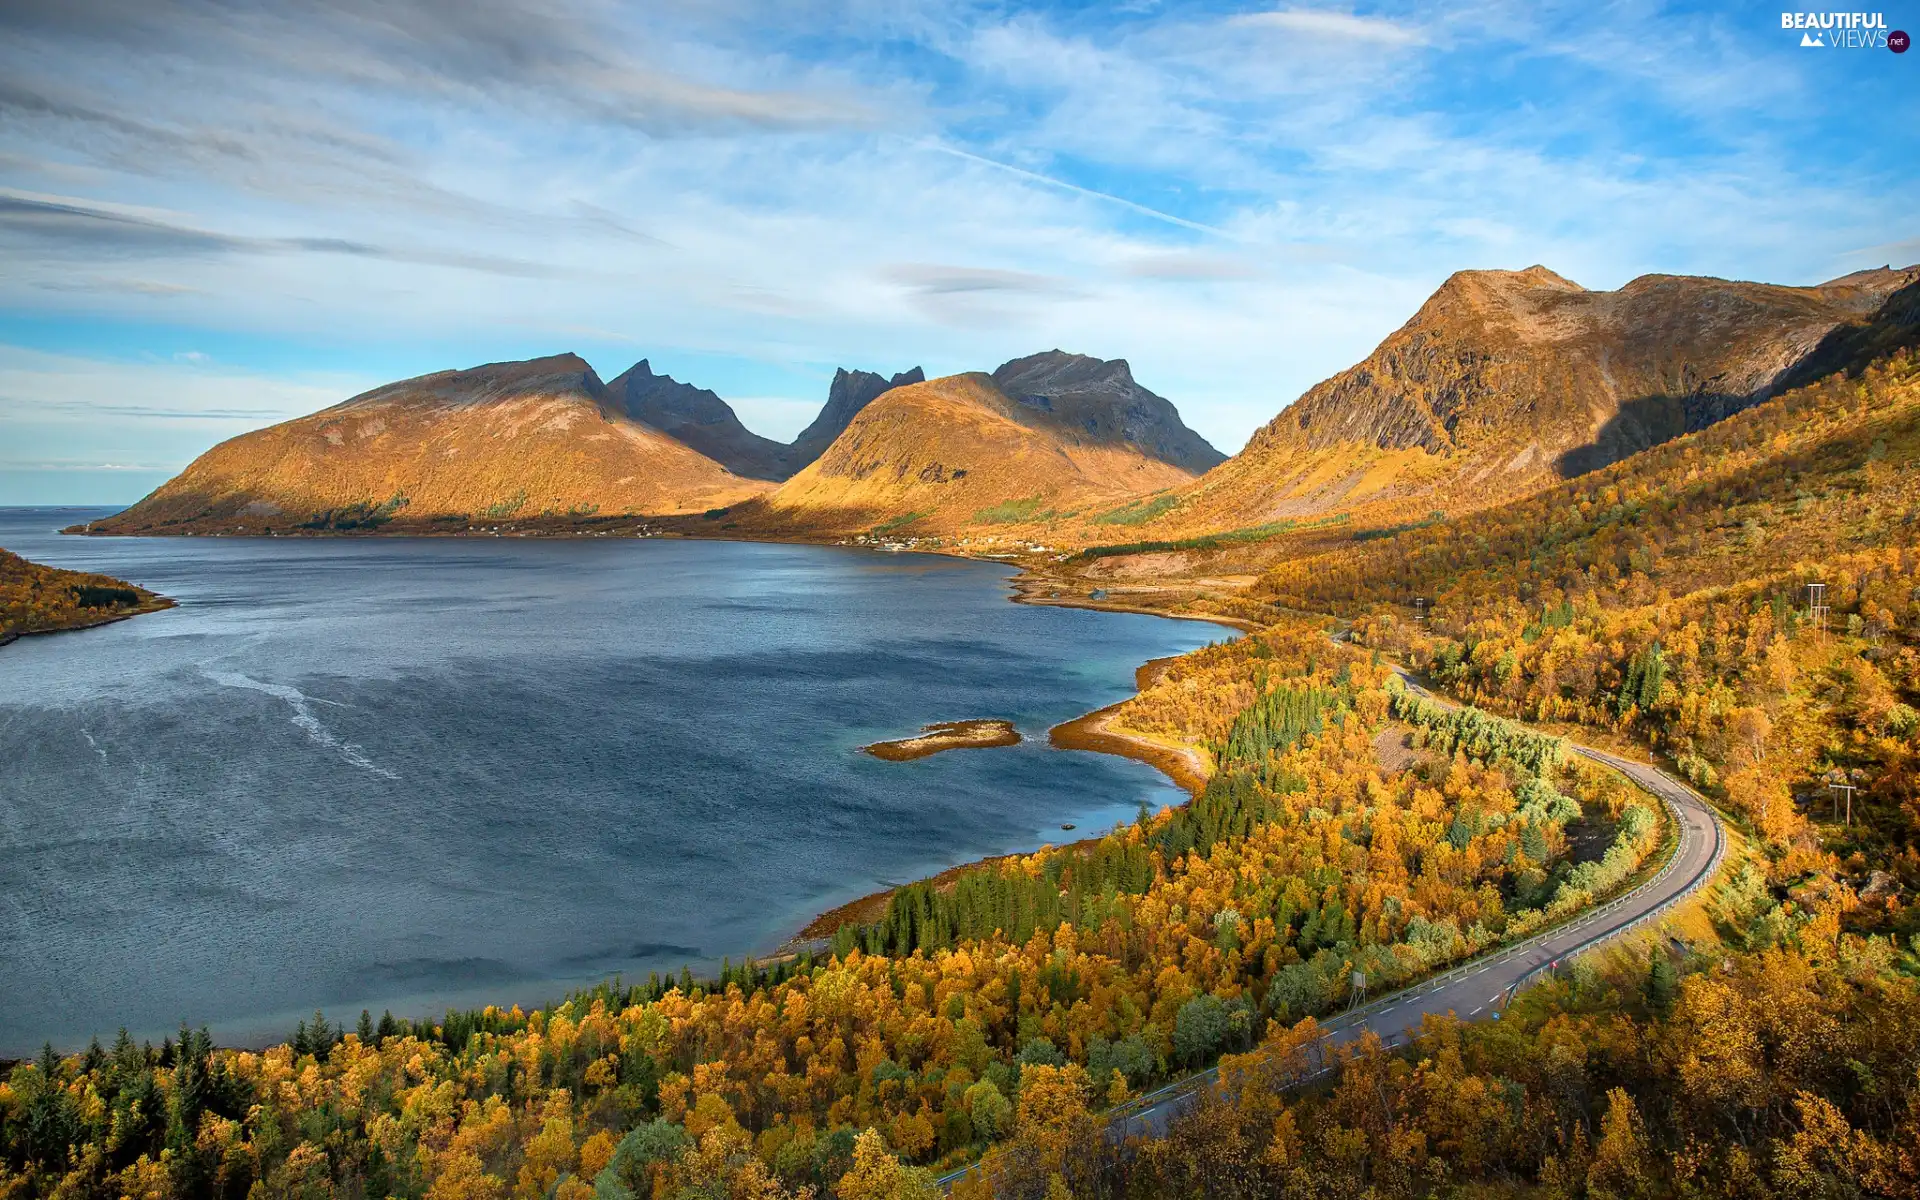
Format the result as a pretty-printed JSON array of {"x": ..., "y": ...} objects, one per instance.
[
  {"x": 1817, "y": 607},
  {"x": 1839, "y": 790}
]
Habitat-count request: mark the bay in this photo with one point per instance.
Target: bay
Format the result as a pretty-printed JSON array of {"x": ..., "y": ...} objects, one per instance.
[{"x": 410, "y": 774}]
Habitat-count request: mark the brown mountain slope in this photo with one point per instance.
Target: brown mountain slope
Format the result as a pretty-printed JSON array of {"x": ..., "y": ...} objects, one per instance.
[
  {"x": 503, "y": 441},
  {"x": 955, "y": 453},
  {"x": 1508, "y": 381}
]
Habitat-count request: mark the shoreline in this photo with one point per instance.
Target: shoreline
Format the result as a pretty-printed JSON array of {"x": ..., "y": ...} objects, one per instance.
[
  {"x": 1188, "y": 768},
  {"x": 8, "y": 637},
  {"x": 40, "y": 598}
]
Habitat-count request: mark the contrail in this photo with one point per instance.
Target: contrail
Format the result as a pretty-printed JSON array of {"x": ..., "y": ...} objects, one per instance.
[{"x": 1050, "y": 181}]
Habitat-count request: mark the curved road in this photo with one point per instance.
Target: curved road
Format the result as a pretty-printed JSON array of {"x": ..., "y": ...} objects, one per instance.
[{"x": 1482, "y": 986}]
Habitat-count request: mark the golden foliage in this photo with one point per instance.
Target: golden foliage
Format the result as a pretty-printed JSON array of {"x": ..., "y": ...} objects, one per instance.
[{"x": 37, "y": 599}]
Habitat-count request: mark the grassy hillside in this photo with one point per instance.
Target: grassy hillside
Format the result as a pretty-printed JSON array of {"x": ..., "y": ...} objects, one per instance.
[{"x": 1668, "y": 598}]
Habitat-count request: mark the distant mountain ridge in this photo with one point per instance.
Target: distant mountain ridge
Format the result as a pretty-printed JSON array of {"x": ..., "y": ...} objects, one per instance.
[
  {"x": 850, "y": 392},
  {"x": 963, "y": 451},
  {"x": 545, "y": 439},
  {"x": 1502, "y": 383},
  {"x": 699, "y": 418},
  {"x": 704, "y": 421},
  {"x": 1103, "y": 398}
]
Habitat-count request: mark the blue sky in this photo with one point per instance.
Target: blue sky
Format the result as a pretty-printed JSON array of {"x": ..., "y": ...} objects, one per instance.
[{"x": 216, "y": 215}]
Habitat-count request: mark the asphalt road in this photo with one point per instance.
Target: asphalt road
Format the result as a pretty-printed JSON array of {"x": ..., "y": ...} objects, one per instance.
[{"x": 1480, "y": 988}]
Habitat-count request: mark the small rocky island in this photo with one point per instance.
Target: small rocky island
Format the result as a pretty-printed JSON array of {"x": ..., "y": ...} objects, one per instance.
[{"x": 947, "y": 735}]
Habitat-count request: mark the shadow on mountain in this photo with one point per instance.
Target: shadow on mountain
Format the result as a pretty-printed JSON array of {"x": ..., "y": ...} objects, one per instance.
[
  {"x": 1639, "y": 425},
  {"x": 1644, "y": 423},
  {"x": 1895, "y": 326}
]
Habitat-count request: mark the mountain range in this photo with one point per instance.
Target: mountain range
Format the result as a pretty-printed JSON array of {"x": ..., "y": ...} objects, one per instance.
[
  {"x": 1501, "y": 384},
  {"x": 708, "y": 424},
  {"x": 494, "y": 442},
  {"x": 545, "y": 440}
]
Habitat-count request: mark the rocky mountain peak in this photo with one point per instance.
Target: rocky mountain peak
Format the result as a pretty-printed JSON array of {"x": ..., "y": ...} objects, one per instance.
[
  {"x": 850, "y": 392},
  {"x": 1101, "y": 400},
  {"x": 699, "y": 418}
]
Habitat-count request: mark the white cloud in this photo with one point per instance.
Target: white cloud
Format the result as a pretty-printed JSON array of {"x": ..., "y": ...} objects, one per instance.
[
  {"x": 935, "y": 279},
  {"x": 1189, "y": 265}
]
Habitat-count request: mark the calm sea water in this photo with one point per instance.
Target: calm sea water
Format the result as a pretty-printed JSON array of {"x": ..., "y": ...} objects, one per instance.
[{"x": 408, "y": 774}]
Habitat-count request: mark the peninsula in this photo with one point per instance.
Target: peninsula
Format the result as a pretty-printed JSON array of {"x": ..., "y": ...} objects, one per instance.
[{"x": 41, "y": 599}]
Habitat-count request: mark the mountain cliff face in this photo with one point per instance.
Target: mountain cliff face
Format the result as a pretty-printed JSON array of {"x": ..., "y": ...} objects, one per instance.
[
  {"x": 1507, "y": 381},
  {"x": 707, "y": 423},
  {"x": 961, "y": 452},
  {"x": 1103, "y": 399},
  {"x": 511, "y": 440},
  {"x": 700, "y": 419}
]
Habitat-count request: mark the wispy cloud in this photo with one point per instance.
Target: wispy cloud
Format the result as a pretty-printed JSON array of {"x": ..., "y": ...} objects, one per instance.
[
  {"x": 935, "y": 279},
  {"x": 1903, "y": 253},
  {"x": 1190, "y": 266},
  {"x": 1076, "y": 189},
  {"x": 51, "y": 387},
  {"x": 572, "y": 56},
  {"x": 153, "y": 411},
  {"x": 70, "y": 464},
  {"x": 141, "y": 287},
  {"x": 975, "y": 297},
  {"x": 1332, "y": 25},
  {"x": 60, "y": 222}
]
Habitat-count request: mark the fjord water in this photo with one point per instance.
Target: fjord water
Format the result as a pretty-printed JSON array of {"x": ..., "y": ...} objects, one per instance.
[{"x": 413, "y": 773}]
